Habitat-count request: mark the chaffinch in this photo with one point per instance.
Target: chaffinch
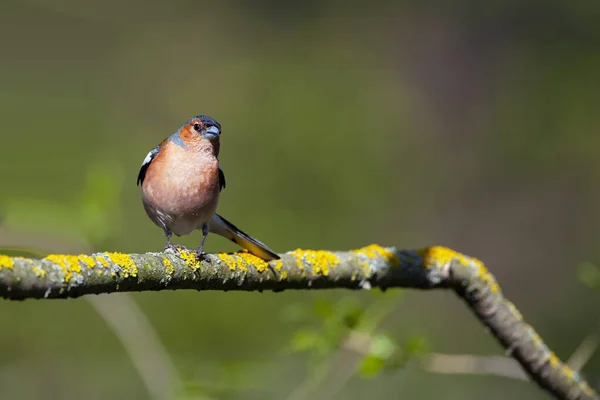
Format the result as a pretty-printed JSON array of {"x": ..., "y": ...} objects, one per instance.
[{"x": 181, "y": 182}]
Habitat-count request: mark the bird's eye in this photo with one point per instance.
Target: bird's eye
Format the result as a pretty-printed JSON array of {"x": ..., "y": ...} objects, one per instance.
[{"x": 197, "y": 127}]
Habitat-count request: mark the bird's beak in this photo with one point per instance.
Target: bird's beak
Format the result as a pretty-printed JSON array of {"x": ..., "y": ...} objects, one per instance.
[{"x": 211, "y": 133}]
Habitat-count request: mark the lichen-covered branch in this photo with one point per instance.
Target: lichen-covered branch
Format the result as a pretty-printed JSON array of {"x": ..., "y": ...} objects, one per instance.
[{"x": 63, "y": 276}]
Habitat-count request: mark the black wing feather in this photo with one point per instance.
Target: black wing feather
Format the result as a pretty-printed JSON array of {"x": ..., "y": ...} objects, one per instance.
[
  {"x": 221, "y": 179},
  {"x": 146, "y": 163}
]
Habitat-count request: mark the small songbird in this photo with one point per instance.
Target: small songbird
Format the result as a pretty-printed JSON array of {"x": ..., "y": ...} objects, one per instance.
[{"x": 181, "y": 182}]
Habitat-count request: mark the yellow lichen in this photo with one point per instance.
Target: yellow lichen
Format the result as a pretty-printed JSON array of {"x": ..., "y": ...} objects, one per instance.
[
  {"x": 128, "y": 267},
  {"x": 321, "y": 261},
  {"x": 250, "y": 259},
  {"x": 68, "y": 263},
  {"x": 190, "y": 259},
  {"x": 438, "y": 255},
  {"x": 88, "y": 261},
  {"x": 228, "y": 260},
  {"x": 569, "y": 373},
  {"x": 376, "y": 251},
  {"x": 554, "y": 360},
  {"x": 299, "y": 264},
  {"x": 373, "y": 252},
  {"x": 40, "y": 273},
  {"x": 442, "y": 256},
  {"x": 169, "y": 268},
  {"x": 536, "y": 338},
  {"x": 485, "y": 275},
  {"x": 365, "y": 266},
  {"x": 6, "y": 262},
  {"x": 102, "y": 261},
  {"x": 278, "y": 264},
  {"x": 242, "y": 260}
]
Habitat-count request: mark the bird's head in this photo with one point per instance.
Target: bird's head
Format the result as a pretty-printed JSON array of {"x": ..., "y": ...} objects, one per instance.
[
  {"x": 201, "y": 132},
  {"x": 204, "y": 126}
]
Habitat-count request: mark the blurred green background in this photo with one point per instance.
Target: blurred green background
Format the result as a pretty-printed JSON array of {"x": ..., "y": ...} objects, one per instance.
[{"x": 467, "y": 124}]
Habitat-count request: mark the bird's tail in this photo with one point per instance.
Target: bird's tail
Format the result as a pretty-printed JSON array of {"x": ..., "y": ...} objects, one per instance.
[{"x": 222, "y": 227}]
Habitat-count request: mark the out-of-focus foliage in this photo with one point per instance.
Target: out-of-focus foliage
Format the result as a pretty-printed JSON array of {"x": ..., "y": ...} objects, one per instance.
[
  {"x": 472, "y": 125},
  {"x": 590, "y": 275},
  {"x": 93, "y": 214}
]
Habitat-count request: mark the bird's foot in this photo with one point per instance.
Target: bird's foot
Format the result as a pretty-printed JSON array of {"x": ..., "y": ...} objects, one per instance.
[
  {"x": 200, "y": 255},
  {"x": 173, "y": 247}
]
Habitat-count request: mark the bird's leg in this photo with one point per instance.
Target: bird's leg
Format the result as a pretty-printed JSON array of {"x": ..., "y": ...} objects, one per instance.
[
  {"x": 169, "y": 245},
  {"x": 199, "y": 250}
]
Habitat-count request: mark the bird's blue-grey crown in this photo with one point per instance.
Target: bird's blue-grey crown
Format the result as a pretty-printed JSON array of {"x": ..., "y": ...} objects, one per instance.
[{"x": 206, "y": 120}]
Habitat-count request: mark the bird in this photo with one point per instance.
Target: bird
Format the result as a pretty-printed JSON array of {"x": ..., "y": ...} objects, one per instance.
[{"x": 181, "y": 182}]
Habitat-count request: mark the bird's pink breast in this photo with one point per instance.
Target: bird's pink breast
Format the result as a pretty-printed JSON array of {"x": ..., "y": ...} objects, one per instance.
[{"x": 181, "y": 188}]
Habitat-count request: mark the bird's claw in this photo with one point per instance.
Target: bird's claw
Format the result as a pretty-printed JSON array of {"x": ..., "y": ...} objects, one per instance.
[
  {"x": 172, "y": 247},
  {"x": 199, "y": 253}
]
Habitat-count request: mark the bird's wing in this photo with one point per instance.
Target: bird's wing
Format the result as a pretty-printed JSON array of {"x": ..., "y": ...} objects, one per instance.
[
  {"x": 221, "y": 179},
  {"x": 146, "y": 164}
]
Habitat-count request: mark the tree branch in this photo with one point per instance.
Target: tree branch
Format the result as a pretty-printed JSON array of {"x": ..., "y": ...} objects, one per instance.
[{"x": 63, "y": 276}]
